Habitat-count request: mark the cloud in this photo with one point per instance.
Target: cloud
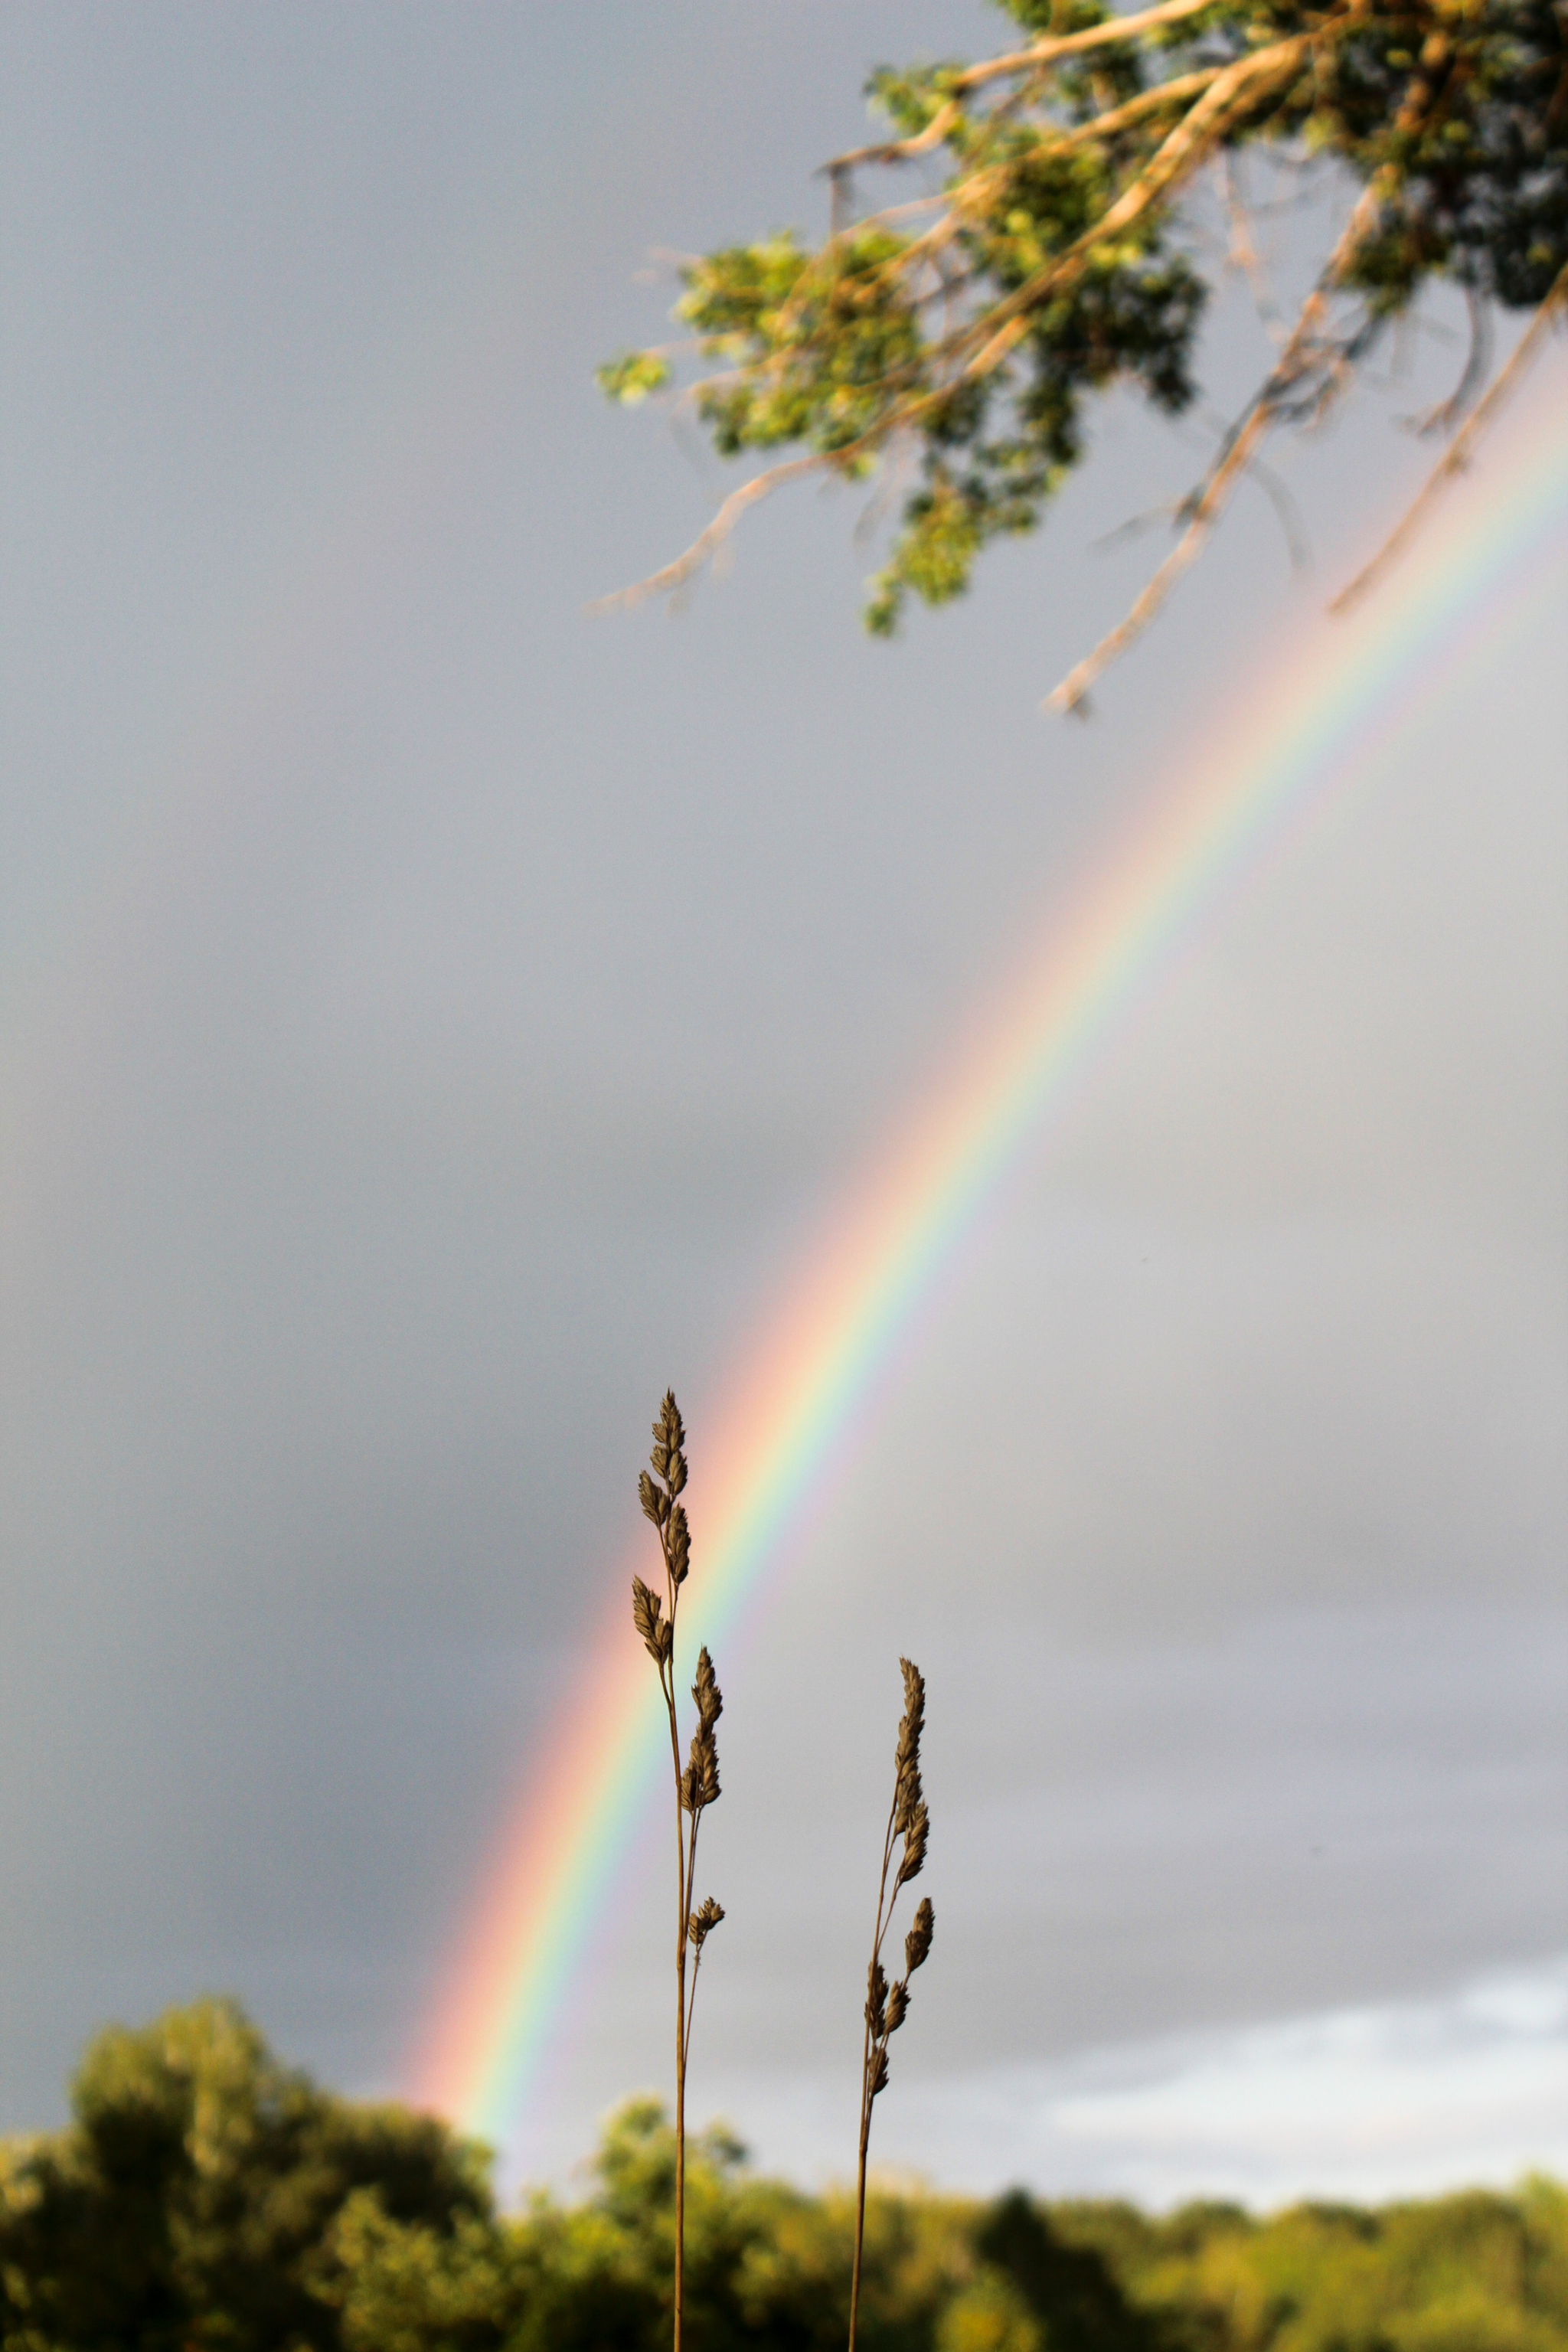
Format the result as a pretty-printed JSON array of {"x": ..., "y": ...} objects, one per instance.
[{"x": 1403, "y": 2098}]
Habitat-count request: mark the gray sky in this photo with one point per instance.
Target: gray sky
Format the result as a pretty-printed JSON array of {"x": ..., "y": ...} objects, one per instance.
[{"x": 431, "y": 1019}]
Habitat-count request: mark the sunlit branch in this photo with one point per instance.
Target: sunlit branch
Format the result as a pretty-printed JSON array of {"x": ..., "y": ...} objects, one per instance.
[
  {"x": 980, "y": 347},
  {"x": 750, "y": 494},
  {"x": 1457, "y": 455},
  {"x": 1296, "y": 360},
  {"x": 1173, "y": 161},
  {"x": 1451, "y": 412},
  {"x": 1073, "y": 45}
]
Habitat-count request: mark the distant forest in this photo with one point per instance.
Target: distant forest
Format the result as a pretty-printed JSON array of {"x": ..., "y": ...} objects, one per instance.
[{"x": 205, "y": 2195}]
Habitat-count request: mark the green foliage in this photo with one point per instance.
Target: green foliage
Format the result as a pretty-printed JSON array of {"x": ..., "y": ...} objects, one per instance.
[
  {"x": 971, "y": 327},
  {"x": 399, "y": 2286},
  {"x": 633, "y": 376},
  {"x": 1476, "y": 2270},
  {"x": 989, "y": 2316},
  {"x": 200, "y": 2194},
  {"x": 812, "y": 346},
  {"x": 1070, "y": 2289},
  {"x": 205, "y": 2196}
]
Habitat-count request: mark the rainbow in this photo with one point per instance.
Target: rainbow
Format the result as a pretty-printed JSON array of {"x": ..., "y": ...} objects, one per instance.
[{"x": 1311, "y": 724}]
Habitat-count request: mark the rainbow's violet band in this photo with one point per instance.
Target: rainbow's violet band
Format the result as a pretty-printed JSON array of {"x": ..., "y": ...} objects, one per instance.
[{"x": 1292, "y": 740}]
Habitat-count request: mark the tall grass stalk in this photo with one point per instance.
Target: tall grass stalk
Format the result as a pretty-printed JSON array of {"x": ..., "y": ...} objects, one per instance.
[
  {"x": 695, "y": 1786},
  {"x": 887, "y": 2005}
]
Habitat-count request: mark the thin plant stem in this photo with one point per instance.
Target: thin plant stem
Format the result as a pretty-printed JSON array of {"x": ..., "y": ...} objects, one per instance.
[
  {"x": 654, "y": 1615},
  {"x": 682, "y": 1913},
  {"x": 866, "y": 2093},
  {"x": 886, "y": 2005}
]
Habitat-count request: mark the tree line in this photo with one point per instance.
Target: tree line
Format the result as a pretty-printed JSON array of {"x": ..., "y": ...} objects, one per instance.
[{"x": 204, "y": 2194}]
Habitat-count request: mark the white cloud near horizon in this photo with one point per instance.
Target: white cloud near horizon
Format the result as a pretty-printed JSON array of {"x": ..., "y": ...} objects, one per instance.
[{"x": 1365, "y": 2104}]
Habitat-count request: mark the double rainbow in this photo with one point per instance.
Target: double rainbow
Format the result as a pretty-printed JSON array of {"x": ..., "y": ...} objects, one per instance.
[{"x": 1312, "y": 722}]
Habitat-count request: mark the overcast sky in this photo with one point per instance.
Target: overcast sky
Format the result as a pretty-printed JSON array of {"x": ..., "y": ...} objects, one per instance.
[{"x": 432, "y": 1019}]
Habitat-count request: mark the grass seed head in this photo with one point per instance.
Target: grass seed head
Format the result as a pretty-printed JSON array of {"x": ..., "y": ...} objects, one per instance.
[
  {"x": 677, "y": 1545},
  {"x": 704, "y": 1920},
  {"x": 668, "y": 1439},
  {"x": 706, "y": 1692},
  {"x": 700, "y": 1781},
  {"x": 917, "y": 1943},
  {"x": 906, "y": 1754},
  {"x": 646, "y": 1607},
  {"x": 657, "y": 1493},
  {"x": 916, "y": 1832},
  {"x": 898, "y": 2006},
  {"x": 907, "y": 1799}
]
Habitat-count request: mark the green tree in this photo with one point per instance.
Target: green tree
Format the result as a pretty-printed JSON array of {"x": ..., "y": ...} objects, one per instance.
[
  {"x": 1071, "y": 2290},
  {"x": 1477, "y": 2271},
  {"x": 969, "y": 326},
  {"x": 202, "y": 2196}
]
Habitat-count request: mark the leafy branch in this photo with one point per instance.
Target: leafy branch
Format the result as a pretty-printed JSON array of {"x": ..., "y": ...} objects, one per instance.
[{"x": 973, "y": 324}]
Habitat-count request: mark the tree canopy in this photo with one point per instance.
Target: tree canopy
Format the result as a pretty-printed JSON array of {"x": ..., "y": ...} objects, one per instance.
[
  {"x": 967, "y": 326},
  {"x": 206, "y": 2195}
]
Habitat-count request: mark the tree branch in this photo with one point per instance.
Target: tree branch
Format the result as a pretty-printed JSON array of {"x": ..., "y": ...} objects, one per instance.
[
  {"x": 980, "y": 344},
  {"x": 1072, "y": 44},
  {"x": 1148, "y": 101},
  {"x": 1243, "y": 255},
  {"x": 750, "y": 494},
  {"x": 1294, "y": 361},
  {"x": 1004, "y": 323},
  {"x": 1176, "y": 157},
  {"x": 896, "y": 151},
  {"x": 1072, "y": 693},
  {"x": 1457, "y": 455},
  {"x": 1451, "y": 412},
  {"x": 1018, "y": 61}
]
